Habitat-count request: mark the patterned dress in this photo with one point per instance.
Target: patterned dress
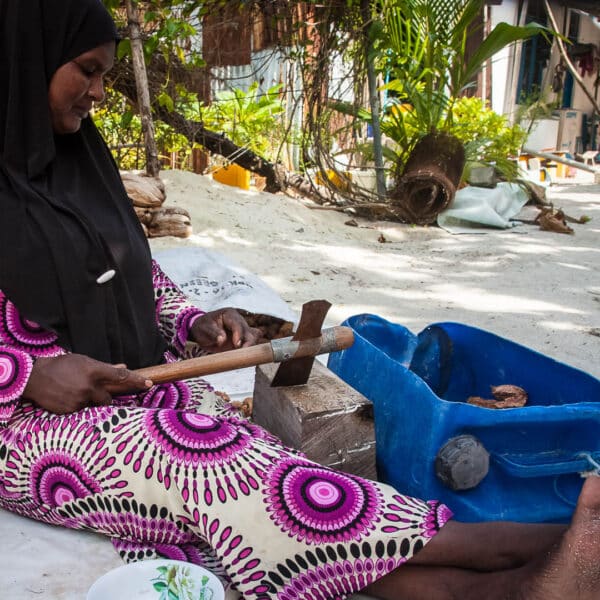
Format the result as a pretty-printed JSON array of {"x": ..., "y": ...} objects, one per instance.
[{"x": 176, "y": 472}]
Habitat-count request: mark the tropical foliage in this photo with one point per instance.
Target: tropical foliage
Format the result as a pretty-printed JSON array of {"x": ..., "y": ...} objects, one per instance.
[
  {"x": 251, "y": 119},
  {"x": 121, "y": 127},
  {"x": 172, "y": 45},
  {"x": 423, "y": 56},
  {"x": 418, "y": 47}
]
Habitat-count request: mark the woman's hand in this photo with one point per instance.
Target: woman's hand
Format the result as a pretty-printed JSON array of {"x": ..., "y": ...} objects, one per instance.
[
  {"x": 71, "y": 382},
  {"x": 223, "y": 329}
]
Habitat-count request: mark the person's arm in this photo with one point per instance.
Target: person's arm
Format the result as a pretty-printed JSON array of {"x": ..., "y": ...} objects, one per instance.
[
  {"x": 71, "y": 382},
  {"x": 175, "y": 313},
  {"x": 181, "y": 321},
  {"x": 34, "y": 367}
]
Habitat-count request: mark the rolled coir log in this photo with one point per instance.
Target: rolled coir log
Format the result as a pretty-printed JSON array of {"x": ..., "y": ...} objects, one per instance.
[{"x": 429, "y": 180}]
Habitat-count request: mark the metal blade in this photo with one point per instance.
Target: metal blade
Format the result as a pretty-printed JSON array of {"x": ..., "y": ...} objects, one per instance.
[{"x": 296, "y": 371}]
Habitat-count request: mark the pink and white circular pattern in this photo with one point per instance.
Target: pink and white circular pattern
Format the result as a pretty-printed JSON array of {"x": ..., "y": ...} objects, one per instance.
[
  {"x": 15, "y": 368},
  {"x": 23, "y": 334}
]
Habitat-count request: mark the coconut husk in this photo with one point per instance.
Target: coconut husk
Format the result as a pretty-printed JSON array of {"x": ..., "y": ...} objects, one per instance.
[
  {"x": 144, "y": 191},
  {"x": 144, "y": 214},
  {"x": 429, "y": 180},
  {"x": 271, "y": 327},
  {"x": 244, "y": 406},
  {"x": 536, "y": 193},
  {"x": 170, "y": 221},
  {"x": 553, "y": 220},
  {"x": 505, "y": 396}
]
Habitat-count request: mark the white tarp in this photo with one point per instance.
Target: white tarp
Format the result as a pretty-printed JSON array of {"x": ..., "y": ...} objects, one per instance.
[
  {"x": 213, "y": 281},
  {"x": 481, "y": 210}
]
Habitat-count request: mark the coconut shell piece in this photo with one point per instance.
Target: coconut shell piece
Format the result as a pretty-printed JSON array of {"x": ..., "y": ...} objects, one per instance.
[
  {"x": 271, "y": 327},
  {"x": 505, "y": 396},
  {"x": 245, "y": 406}
]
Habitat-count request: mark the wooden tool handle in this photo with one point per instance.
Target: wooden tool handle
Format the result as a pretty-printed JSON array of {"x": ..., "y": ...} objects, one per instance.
[{"x": 331, "y": 340}]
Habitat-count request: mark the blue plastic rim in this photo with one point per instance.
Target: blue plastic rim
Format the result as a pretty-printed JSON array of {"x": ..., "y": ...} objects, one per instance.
[{"x": 419, "y": 385}]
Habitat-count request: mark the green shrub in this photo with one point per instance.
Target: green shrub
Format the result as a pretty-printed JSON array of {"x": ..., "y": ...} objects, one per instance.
[
  {"x": 250, "y": 119},
  {"x": 487, "y": 136}
]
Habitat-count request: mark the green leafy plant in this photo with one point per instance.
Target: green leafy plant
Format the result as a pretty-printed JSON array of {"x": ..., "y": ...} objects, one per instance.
[
  {"x": 535, "y": 106},
  {"x": 420, "y": 51},
  {"x": 423, "y": 54},
  {"x": 121, "y": 127},
  {"x": 169, "y": 27},
  {"x": 250, "y": 118},
  {"x": 488, "y": 138},
  {"x": 175, "y": 583}
]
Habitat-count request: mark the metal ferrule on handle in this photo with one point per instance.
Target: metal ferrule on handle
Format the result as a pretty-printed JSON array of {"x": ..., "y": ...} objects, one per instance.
[
  {"x": 330, "y": 340},
  {"x": 288, "y": 348}
]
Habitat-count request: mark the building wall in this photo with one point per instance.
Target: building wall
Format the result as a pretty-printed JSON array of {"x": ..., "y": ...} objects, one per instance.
[
  {"x": 502, "y": 63},
  {"x": 589, "y": 32},
  {"x": 506, "y": 64}
]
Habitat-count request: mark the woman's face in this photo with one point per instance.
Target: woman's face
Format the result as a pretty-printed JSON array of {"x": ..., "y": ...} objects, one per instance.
[{"x": 77, "y": 85}]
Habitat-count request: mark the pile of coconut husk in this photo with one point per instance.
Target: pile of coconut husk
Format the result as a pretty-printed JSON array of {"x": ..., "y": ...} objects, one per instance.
[
  {"x": 148, "y": 196},
  {"x": 270, "y": 327}
]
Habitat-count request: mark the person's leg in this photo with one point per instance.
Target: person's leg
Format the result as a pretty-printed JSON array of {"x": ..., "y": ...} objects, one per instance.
[
  {"x": 488, "y": 546},
  {"x": 571, "y": 570},
  {"x": 159, "y": 478},
  {"x": 163, "y": 477}
]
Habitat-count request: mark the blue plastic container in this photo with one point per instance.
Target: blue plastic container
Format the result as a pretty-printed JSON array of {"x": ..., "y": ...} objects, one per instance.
[{"x": 419, "y": 386}]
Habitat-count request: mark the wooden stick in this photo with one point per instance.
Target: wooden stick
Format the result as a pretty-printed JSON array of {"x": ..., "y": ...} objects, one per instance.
[
  {"x": 561, "y": 159},
  {"x": 330, "y": 340}
]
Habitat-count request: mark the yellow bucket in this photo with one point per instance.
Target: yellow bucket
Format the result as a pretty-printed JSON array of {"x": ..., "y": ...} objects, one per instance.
[
  {"x": 233, "y": 175},
  {"x": 341, "y": 181}
]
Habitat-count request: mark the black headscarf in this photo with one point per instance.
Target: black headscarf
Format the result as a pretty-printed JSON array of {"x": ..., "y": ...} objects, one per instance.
[{"x": 65, "y": 218}]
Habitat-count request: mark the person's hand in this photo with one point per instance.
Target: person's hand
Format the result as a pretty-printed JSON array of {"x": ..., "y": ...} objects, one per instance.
[
  {"x": 71, "y": 382},
  {"x": 223, "y": 329}
]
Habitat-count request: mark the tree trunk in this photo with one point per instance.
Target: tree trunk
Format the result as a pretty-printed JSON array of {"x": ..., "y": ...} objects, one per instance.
[
  {"x": 374, "y": 102},
  {"x": 219, "y": 144},
  {"x": 143, "y": 94},
  {"x": 278, "y": 179}
]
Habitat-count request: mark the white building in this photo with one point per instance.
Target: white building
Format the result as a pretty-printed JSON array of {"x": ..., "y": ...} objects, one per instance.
[{"x": 535, "y": 66}]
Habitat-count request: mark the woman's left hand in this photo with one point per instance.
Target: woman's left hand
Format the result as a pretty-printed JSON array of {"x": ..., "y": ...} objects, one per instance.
[{"x": 223, "y": 329}]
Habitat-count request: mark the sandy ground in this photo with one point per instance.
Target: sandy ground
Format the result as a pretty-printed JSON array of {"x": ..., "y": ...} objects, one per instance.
[{"x": 540, "y": 289}]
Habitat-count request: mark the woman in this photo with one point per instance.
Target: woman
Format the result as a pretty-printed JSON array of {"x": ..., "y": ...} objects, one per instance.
[{"x": 172, "y": 470}]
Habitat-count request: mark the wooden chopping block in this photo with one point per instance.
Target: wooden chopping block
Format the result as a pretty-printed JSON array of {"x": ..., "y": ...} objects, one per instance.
[{"x": 326, "y": 419}]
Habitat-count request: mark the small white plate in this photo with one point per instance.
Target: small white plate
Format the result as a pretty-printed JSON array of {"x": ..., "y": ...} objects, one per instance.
[{"x": 150, "y": 580}]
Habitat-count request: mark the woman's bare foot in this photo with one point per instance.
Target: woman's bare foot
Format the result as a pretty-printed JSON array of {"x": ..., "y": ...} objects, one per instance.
[
  {"x": 569, "y": 571},
  {"x": 573, "y": 570}
]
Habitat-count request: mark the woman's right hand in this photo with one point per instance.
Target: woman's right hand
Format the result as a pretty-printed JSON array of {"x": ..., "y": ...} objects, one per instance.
[{"x": 71, "y": 382}]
